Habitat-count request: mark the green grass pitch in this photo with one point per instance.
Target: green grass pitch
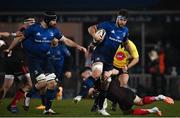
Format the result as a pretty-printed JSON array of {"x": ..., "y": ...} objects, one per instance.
[{"x": 67, "y": 108}]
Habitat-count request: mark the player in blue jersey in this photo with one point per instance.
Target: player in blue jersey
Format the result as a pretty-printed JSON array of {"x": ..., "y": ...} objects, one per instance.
[
  {"x": 57, "y": 55},
  {"x": 87, "y": 85},
  {"x": 61, "y": 61},
  {"x": 37, "y": 41},
  {"x": 102, "y": 56}
]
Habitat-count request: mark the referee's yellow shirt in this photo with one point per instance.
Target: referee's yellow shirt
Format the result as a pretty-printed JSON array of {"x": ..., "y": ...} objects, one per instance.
[{"x": 122, "y": 56}]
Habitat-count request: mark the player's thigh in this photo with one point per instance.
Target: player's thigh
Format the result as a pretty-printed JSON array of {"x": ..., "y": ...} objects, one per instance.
[
  {"x": 8, "y": 81},
  {"x": 138, "y": 101},
  {"x": 123, "y": 79}
]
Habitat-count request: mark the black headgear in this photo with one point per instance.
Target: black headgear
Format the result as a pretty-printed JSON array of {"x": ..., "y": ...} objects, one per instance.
[
  {"x": 123, "y": 13},
  {"x": 48, "y": 16}
]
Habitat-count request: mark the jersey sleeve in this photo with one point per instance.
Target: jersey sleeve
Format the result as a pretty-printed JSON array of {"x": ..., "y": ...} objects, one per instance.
[
  {"x": 103, "y": 25},
  {"x": 133, "y": 50},
  {"x": 66, "y": 51},
  {"x": 126, "y": 34},
  {"x": 29, "y": 31},
  {"x": 58, "y": 34}
]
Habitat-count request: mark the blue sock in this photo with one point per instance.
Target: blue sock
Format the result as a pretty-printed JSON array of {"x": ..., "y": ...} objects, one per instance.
[
  {"x": 50, "y": 95},
  {"x": 43, "y": 100}
]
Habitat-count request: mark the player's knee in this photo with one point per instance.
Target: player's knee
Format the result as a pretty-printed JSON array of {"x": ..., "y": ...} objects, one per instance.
[
  {"x": 41, "y": 81},
  {"x": 10, "y": 77},
  {"x": 91, "y": 91},
  {"x": 51, "y": 81},
  {"x": 97, "y": 69},
  {"x": 41, "y": 78},
  {"x": 138, "y": 101}
]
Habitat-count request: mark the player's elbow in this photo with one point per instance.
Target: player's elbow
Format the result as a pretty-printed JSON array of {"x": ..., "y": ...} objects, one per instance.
[{"x": 137, "y": 60}]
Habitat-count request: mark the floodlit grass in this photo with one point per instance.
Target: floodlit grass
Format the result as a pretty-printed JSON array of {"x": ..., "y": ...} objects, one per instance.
[{"x": 66, "y": 108}]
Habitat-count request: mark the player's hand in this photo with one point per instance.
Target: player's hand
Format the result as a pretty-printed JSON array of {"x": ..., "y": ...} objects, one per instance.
[
  {"x": 124, "y": 69},
  {"x": 115, "y": 71},
  {"x": 91, "y": 48},
  {"x": 98, "y": 38},
  {"x": 77, "y": 99},
  {"x": 107, "y": 74},
  {"x": 83, "y": 49},
  {"x": 68, "y": 74}
]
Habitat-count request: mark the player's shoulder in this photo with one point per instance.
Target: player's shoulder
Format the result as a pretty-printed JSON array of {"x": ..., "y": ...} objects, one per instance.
[
  {"x": 107, "y": 23},
  {"x": 35, "y": 25},
  {"x": 125, "y": 28},
  {"x": 130, "y": 42}
]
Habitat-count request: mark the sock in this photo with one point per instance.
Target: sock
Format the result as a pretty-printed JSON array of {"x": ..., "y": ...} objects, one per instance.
[
  {"x": 43, "y": 100},
  {"x": 18, "y": 96},
  {"x": 148, "y": 99},
  {"x": 140, "y": 112},
  {"x": 50, "y": 95},
  {"x": 96, "y": 101},
  {"x": 102, "y": 97}
]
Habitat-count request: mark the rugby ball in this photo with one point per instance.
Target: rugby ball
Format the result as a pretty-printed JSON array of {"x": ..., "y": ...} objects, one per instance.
[{"x": 101, "y": 33}]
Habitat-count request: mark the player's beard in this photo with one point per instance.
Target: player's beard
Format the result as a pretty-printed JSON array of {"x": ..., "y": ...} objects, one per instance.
[{"x": 52, "y": 24}]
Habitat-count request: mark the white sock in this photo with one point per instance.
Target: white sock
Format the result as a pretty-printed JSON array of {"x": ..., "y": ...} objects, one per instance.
[{"x": 160, "y": 97}]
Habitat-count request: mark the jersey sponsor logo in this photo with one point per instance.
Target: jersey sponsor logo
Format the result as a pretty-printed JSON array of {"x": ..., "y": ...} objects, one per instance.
[
  {"x": 120, "y": 56},
  {"x": 113, "y": 39},
  {"x": 42, "y": 41},
  {"x": 44, "y": 38}
]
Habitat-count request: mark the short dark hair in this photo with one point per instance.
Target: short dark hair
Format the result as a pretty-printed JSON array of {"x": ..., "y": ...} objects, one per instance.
[
  {"x": 84, "y": 69},
  {"x": 123, "y": 12}
]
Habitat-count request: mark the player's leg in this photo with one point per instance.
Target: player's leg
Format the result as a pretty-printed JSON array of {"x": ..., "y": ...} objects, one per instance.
[
  {"x": 150, "y": 99},
  {"x": 126, "y": 101},
  {"x": 50, "y": 93},
  {"x": 41, "y": 83},
  {"x": 105, "y": 81},
  {"x": 8, "y": 81},
  {"x": 20, "y": 93},
  {"x": 123, "y": 79},
  {"x": 38, "y": 78},
  {"x": 97, "y": 69}
]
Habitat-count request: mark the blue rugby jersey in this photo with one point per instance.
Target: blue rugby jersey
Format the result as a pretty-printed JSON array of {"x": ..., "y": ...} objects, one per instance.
[
  {"x": 114, "y": 37},
  {"x": 38, "y": 39},
  {"x": 56, "y": 56}
]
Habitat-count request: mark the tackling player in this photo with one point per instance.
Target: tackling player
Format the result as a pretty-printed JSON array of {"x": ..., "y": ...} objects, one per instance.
[{"x": 15, "y": 66}]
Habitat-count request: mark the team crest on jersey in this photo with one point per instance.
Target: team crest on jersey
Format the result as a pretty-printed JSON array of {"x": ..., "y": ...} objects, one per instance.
[
  {"x": 113, "y": 31},
  {"x": 120, "y": 56},
  {"x": 51, "y": 34},
  {"x": 38, "y": 34}
]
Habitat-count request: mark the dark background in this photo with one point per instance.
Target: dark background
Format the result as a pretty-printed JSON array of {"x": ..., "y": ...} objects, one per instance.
[{"x": 86, "y": 5}]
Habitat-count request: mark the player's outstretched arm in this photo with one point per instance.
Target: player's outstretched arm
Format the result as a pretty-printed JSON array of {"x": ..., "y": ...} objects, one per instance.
[
  {"x": 71, "y": 43},
  {"x": 15, "y": 42}
]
